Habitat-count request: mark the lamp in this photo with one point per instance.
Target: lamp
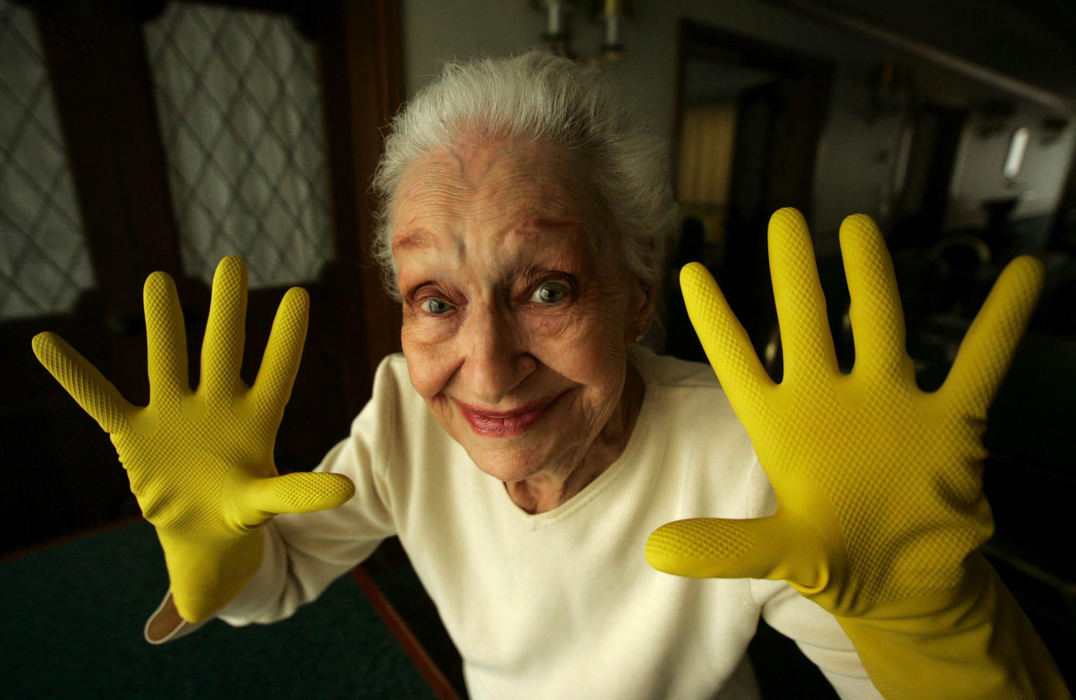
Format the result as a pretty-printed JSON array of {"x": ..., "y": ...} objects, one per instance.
[{"x": 558, "y": 34}]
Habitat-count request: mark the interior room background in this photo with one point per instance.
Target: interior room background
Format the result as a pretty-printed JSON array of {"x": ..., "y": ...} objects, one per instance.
[{"x": 143, "y": 136}]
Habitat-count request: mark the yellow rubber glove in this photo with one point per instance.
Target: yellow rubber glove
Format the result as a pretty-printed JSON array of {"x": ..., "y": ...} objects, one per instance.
[
  {"x": 200, "y": 462},
  {"x": 880, "y": 510}
]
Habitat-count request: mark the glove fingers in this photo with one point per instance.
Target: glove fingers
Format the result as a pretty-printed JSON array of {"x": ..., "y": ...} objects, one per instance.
[
  {"x": 301, "y": 492},
  {"x": 724, "y": 339},
  {"x": 166, "y": 341},
  {"x": 86, "y": 385},
  {"x": 876, "y": 314},
  {"x": 222, "y": 348},
  {"x": 717, "y": 548},
  {"x": 806, "y": 341},
  {"x": 991, "y": 341},
  {"x": 284, "y": 351}
]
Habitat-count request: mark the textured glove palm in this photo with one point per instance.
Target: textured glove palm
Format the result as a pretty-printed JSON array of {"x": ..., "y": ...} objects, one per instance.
[{"x": 200, "y": 462}]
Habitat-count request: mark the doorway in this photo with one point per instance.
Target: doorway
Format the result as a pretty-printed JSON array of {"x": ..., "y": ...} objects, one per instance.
[{"x": 748, "y": 119}]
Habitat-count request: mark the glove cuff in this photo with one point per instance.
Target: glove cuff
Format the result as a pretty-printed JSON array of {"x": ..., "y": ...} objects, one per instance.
[
  {"x": 205, "y": 573},
  {"x": 973, "y": 642}
]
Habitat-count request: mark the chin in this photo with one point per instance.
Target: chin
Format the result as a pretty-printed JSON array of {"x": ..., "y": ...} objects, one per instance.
[{"x": 506, "y": 464}]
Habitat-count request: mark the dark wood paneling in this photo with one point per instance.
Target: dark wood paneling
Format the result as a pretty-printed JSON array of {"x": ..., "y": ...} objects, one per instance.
[{"x": 362, "y": 79}]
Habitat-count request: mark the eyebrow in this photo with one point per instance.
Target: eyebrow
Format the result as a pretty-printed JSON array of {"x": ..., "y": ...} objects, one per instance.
[
  {"x": 419, "y": 238},
  {"x": 544, "y": 229},
  {"x": 536, "y": 225}
]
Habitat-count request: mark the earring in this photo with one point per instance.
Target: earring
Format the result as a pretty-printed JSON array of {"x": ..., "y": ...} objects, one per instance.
[{"x": 639, "y": 337}]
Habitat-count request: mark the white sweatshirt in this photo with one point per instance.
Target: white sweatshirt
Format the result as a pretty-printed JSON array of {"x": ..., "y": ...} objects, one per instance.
[{"x": 560, "y": 604}]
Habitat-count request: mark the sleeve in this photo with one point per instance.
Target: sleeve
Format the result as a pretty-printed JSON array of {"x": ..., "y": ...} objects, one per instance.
[
  {"x": 817, "y": 634},
  {"x": 306, "y": 552},
  {"x": 815, "y": 630}
]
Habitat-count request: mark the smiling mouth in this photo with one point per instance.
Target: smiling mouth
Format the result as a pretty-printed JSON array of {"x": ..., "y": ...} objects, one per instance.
[{"x": 506, "y": 424}]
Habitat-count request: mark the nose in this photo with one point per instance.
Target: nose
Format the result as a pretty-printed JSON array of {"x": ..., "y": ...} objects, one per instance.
[{"x": 496, "y": 357}]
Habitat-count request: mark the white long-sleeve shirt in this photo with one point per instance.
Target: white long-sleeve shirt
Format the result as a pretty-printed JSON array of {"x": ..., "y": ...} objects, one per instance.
[{"x": 561, "y": 604}]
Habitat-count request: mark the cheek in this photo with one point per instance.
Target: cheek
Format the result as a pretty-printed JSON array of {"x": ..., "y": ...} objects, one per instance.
[
  {"x": 582, "y": 344},
  {"x": 429, "y": 366}
]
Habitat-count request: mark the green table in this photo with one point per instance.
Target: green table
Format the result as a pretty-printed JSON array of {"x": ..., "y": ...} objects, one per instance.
[{"x": 71, "y": 626}]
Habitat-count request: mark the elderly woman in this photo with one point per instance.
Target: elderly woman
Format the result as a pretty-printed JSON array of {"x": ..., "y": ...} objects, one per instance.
[{"x": 522, "y": 227}]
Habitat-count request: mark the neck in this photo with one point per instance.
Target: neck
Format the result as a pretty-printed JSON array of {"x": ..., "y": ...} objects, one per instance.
[{"x": 544, "y": 492}]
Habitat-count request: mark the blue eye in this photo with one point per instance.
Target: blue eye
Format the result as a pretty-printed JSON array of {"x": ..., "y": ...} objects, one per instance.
[
  {"x": 550, "y": 293},
  {"x": 435, "y": 306}
]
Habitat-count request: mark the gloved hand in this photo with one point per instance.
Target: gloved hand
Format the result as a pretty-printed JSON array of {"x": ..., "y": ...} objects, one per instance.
[
  {"x": 200, "y": 462},
  {"x": 880, "y": 508}
]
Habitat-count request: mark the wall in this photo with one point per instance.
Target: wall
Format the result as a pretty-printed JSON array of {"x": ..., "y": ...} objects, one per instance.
[
  {"x": 857, "y": 155},
  {"x": 978, "y": 168}
]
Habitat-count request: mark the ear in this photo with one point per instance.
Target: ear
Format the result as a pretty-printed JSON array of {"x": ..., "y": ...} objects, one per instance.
[{"x": 642, "y": 305}]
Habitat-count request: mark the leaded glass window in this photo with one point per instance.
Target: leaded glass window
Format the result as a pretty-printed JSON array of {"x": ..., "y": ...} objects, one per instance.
[
  {"x": 44, "y": 263},
  {"x": 238, "y": 97}
]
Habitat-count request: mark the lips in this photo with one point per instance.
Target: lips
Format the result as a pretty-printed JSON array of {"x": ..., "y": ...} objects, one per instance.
[{"x": 506, "y": 423}]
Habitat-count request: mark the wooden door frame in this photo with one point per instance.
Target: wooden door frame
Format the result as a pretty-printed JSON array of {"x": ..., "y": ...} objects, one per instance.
[{"x": 363, "y": 86}]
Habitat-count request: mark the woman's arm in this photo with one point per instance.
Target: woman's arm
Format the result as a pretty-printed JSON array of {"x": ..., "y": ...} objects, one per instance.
[{"x": 880, "y": 510}]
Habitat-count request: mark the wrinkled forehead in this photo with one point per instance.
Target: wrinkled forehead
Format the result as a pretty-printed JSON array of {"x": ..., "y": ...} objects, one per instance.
[{"x": 495, "y": 186}]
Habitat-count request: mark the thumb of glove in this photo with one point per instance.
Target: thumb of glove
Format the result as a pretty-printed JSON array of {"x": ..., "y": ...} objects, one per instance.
[
  {"x": 258, "y": 500},
  {"x": 718, "y": 548}
]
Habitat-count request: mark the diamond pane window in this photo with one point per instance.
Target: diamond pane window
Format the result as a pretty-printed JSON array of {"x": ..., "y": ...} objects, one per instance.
[
  {"x": 44, "y": 263},
  {"x": 238, "y": 97}
]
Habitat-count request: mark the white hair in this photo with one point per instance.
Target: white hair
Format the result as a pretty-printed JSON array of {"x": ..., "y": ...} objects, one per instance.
[{"x": 539, "y": 96}]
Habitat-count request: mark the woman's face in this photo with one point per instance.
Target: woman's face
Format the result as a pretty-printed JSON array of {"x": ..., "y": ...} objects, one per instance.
[{"x": 516, "y": 320}]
